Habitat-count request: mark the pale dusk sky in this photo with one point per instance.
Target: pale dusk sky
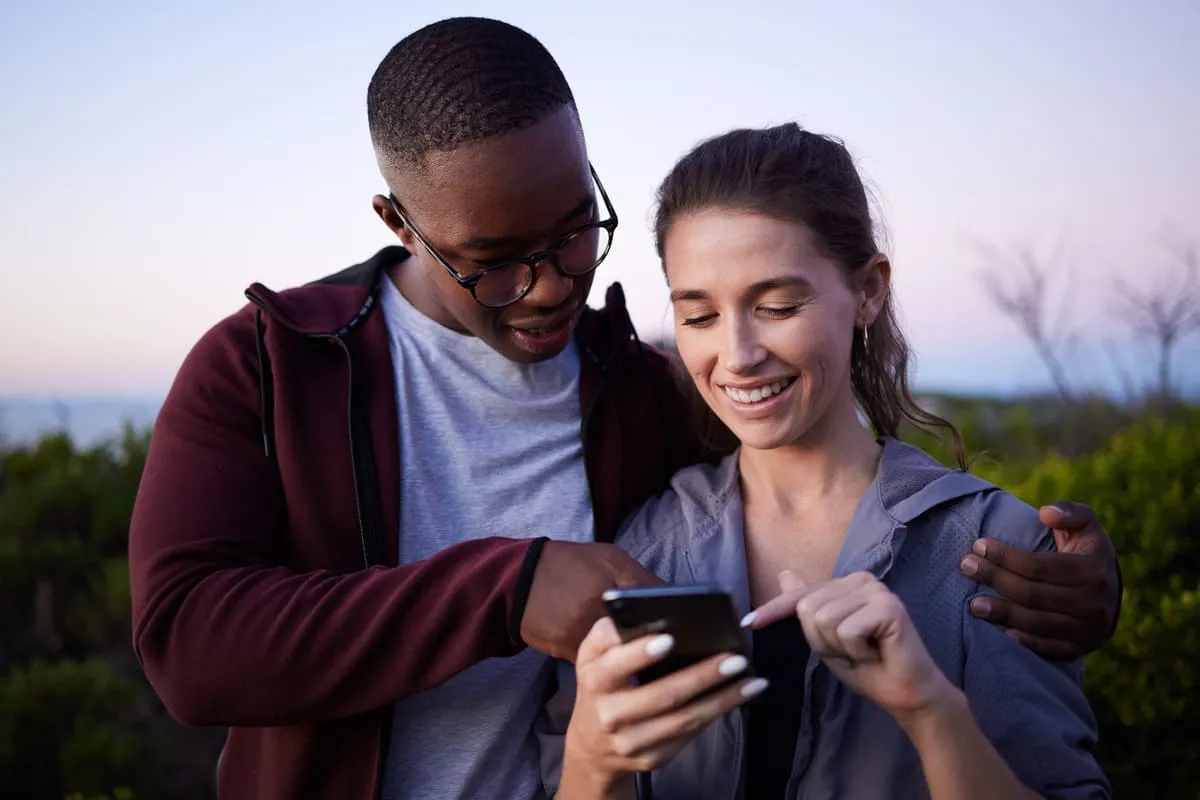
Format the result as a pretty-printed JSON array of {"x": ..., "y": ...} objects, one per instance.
[{"x": 157, "y": 158}]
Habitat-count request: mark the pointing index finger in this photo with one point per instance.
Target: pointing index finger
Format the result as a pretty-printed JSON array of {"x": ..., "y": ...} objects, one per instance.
[{"x": 780, "y": 607}]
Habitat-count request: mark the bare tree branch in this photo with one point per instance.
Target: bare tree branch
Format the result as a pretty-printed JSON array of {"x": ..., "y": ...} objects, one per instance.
[
  {"x": 1128, "y": 386},
  {"x": 1165, "y": 311},
  {"x": 1017, "y": 285}
]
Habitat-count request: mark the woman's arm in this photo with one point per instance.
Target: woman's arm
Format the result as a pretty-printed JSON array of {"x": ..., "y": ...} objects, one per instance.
[
  {"x": 864, "y": 635},
  {"x": 958, "y": 760}
]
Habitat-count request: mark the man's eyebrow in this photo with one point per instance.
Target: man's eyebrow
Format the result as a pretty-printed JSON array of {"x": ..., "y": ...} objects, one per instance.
[
  {"x": 497, "y": 242},
  {"x": 782, "y": 282}
]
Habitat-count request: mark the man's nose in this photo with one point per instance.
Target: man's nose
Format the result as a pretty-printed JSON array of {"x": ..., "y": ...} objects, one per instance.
[{"x": 550, "y": 286}]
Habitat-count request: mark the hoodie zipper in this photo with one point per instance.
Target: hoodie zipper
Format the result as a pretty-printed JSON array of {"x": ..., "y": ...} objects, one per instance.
[
  {"x": 362, "y": 528},
  {"x": 362, "y": 475},
  {"x": 361, "y": 478}
]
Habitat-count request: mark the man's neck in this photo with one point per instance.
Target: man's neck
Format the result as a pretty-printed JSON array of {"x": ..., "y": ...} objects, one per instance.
[{"x": 410, "y": 279}]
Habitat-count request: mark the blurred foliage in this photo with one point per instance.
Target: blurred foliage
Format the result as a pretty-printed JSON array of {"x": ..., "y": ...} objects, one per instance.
[
  {"x": 77, "y": 718},
  {"x": 1145, "y": 685},
  {"x": 79, "y": 722}
]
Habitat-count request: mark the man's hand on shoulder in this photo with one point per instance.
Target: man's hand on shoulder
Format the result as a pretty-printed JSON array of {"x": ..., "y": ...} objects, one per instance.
[
  {"x": 1062, "y": 604},
  {"x": 564, "y": 598}
]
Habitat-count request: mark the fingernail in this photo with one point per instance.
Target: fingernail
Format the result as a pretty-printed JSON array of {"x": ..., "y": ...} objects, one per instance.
[
  {"x": 980, "y": 547},
  {"x": 981, "y": 606},
  {"x": 748, "y": 620},
  {"x": 754, "y": 687},
  {"x": 1061, "y": 511},
  {"x": 660, "y": 645},
  {"x": 970, "y": 565},
  {"x": 733, "y": 665}
]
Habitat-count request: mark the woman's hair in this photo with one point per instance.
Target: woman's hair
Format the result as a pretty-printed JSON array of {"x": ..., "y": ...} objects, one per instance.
[{"x": 794, "y": 175}]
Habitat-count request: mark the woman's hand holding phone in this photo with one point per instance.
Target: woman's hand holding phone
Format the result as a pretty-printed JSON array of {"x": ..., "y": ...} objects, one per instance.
[{"x": 619, "y": 728}]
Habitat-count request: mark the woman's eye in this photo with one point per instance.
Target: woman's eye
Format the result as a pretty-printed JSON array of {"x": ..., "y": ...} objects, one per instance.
[
  {"x": 779, "y": 312},
  {"x": 698, "y": 320}
]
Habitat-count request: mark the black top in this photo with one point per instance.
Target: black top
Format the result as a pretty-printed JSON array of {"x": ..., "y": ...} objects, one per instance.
[{"x": 780, "y": 655}]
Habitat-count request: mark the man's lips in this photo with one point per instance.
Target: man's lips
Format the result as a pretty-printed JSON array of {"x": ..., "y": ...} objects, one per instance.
[{"x": 546, "y": 324}]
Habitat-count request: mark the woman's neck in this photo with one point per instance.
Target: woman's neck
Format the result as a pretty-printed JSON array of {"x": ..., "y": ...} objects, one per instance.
[
  {"x": 836, "y": 458},
  {"x": 799, "y": 500}
]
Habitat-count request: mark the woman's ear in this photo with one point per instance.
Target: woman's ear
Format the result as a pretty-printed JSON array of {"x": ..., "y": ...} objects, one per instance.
[{"x": 875, "y": 283}]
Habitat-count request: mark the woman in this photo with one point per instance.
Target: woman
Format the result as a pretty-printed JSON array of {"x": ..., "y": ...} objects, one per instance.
[{"x": 871, "y": 676}]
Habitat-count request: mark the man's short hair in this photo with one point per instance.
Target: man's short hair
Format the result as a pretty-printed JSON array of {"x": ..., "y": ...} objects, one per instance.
[{"x": 457, "y": 81}]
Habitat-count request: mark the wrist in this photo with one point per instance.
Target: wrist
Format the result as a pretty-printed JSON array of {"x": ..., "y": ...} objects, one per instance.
[
  {"x": 946, "y": 712},
  {"x": 582, "y": 777},
  {"x": 533, "y": 556}
]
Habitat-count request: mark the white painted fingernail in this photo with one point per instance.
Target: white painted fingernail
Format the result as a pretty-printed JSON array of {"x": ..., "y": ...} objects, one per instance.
[
  {"x": 748, "y": 620},
  {"x": 754, "y": 688},
  {"x": 733, "y": 665},
  {"x": 660, "y": 645},
  {"x": 1062, "y": 511}
]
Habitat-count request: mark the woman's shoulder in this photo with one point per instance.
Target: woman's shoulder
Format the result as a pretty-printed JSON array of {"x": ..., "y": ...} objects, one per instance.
[
  {"x": 697, "y": 495},
  {"x": 914, "y": 487}
]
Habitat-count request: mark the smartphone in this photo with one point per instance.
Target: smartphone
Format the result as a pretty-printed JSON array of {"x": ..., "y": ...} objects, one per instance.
[{"x": 701, "y": 617}]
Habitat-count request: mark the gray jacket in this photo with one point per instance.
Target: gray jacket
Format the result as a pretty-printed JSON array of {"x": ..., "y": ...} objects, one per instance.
[{"x": 910, "y": 530}]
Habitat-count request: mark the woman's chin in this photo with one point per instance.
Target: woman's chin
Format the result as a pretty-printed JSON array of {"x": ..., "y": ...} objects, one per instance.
[{"x": 764, "y": 437}]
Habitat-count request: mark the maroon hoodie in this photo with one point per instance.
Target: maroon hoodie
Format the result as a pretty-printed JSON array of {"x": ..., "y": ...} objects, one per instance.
[{"x": 263, "y": 546}]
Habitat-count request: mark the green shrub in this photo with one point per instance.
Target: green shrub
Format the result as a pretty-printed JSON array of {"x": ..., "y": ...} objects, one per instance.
[
  {"x": 77, "y": 718},
  {"x": 70, "y": 725}
]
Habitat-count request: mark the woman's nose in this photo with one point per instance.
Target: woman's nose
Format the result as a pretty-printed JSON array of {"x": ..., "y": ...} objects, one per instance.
[{"x": 743, "y": 349}]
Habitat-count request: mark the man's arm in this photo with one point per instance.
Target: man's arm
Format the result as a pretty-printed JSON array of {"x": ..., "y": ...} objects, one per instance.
[
  {"x": 228, "y": 635},
  {"x": 1062, "y": 604}
]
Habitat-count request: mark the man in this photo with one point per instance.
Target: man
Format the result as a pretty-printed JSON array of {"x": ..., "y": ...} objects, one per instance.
[{"x": 331, "y": 549}]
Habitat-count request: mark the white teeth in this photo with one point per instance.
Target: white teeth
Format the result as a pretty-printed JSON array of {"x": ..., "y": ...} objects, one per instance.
[{"x": 758, "y": 394}]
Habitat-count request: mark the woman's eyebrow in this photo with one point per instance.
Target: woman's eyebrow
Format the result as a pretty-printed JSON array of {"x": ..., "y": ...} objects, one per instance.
[{"x": 754, "y": 289}]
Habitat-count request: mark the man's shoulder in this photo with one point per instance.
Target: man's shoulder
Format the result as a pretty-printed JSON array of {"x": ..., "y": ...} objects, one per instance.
[
  {"x": 228, "y": 345},
  {"x": 605, "y": 333},
  {"x": 330, "y": 306},
  {"x": 232, "y": 352}
]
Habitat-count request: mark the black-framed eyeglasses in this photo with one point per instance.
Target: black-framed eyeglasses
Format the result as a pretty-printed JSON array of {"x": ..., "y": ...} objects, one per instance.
[{"x": 503, "y": 283}]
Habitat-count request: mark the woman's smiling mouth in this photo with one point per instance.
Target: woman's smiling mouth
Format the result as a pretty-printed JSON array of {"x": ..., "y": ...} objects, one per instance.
[{"x": 759, "y": 393}]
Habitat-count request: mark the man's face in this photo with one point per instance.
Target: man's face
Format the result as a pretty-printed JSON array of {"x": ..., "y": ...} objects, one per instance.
[{"x": 505, "y": 197}]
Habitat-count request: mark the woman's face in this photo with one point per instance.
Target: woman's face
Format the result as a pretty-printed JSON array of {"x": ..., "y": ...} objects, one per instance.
[{"x": 764, "y": 322}]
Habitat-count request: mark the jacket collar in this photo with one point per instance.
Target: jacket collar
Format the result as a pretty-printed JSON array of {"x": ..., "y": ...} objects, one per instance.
[
  {"x": 336, "y": 304},
  {"x": 908, "y": 483},
  {"x": 331, "y": 306}
]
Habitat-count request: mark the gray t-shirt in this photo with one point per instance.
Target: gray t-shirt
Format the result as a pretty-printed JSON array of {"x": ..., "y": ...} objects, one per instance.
[{"x": 488, "y": 447}]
